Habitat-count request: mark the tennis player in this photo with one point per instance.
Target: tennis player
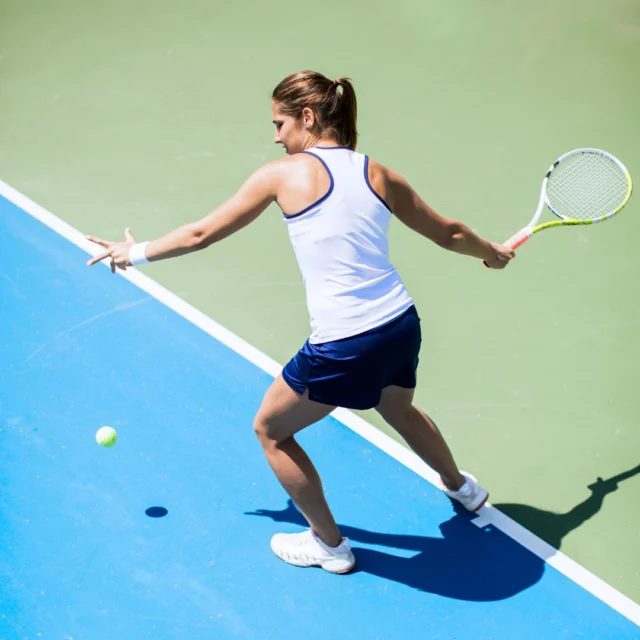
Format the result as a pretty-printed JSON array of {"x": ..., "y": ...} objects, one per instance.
[{"x": 365, "y": 330}]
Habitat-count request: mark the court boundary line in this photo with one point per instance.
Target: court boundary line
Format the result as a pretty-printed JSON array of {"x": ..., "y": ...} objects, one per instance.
[{"x": 487, "y": 516}]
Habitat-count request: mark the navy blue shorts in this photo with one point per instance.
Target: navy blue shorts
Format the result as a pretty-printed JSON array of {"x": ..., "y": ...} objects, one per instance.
[{"x": 352, "y": 372}]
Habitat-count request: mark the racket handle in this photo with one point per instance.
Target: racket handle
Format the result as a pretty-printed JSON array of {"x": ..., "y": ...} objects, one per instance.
[
  {"x": 515, "y": 241},
  {"x": 518, "y": 239}
]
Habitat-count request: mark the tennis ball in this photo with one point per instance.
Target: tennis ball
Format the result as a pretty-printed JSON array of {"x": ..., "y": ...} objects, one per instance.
[{"x": 106, "y": 436}]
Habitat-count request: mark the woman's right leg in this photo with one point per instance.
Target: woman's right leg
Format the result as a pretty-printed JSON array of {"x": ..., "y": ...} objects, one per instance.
[{"x": 420, "y": 433}]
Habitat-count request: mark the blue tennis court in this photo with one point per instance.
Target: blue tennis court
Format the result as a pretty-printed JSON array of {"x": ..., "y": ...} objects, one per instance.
[{"x": 84, "y": 555}]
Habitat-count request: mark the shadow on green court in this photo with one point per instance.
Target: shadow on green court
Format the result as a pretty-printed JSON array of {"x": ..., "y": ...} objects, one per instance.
[{"x": 553, "y": 527}]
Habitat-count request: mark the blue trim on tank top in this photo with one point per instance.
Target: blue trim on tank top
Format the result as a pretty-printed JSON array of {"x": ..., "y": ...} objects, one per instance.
[
  {"x": 330, "y": 148},
  {"x": 317, "y": 202},
  {"x": 366, "y": 177}
]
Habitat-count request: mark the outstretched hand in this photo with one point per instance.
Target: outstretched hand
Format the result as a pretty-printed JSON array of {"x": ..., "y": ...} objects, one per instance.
[
  {"x": 277, "y": 516},
  {"x": 290, "y": 514},
  {"x": 603, "y": 486},
  {"x": 117, "y": 251}
]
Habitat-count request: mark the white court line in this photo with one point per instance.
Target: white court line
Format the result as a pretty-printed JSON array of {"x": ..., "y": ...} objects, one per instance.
[{"x": 488, "y": 515}]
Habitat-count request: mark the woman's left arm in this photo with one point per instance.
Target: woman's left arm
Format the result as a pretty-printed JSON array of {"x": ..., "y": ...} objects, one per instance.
[{"x": 255, "y": 195}]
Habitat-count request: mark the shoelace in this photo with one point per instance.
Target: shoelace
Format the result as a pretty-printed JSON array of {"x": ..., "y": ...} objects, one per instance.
[
  {"x": 465, "y": 490},
  {"x": 300, "y": 550}
]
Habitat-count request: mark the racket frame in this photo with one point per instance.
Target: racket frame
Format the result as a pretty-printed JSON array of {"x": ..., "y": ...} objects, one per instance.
[{"x": 519, "y": 238}]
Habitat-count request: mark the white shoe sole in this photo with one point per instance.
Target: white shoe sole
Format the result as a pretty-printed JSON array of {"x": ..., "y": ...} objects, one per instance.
[
  {"x": 482, "y": 503},
  {"x": 307, "y": 566}
]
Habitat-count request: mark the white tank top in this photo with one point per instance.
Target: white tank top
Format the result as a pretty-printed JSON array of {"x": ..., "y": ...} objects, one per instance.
[{"x": 342, "y": 249}]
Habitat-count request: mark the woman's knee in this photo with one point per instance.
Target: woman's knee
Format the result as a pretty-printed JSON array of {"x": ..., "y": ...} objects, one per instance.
[
  {"x": 266, "y": 430},
  {"x": 261, "y": 428}
]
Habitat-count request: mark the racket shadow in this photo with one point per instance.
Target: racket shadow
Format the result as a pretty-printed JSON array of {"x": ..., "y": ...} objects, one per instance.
[
  {"x": 466, "y": 563},
  {"x": 553, "y": 527}
]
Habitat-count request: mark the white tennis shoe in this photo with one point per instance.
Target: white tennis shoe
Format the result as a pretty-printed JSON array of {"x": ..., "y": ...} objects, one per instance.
[
  {"x": 307, "y": 550},
  {"x": 471, "y": 495}
]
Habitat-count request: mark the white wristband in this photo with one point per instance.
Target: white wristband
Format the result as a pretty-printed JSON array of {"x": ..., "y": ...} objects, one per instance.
[{"x": 137, "y": 254}]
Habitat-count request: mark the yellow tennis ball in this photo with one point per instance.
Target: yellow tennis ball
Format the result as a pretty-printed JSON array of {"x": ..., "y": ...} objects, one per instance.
[{"x": 106, "y": 436}]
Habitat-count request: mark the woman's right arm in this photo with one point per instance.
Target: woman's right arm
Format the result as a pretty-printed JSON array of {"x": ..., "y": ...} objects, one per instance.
[{"x": 449, "y": 234}]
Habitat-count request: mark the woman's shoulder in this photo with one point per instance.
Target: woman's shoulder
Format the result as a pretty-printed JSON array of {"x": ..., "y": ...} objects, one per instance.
[
  {"x": 377, "y": 174},
  {"x": 284, "y": 168},
  {"x": 289, "y": 163}
]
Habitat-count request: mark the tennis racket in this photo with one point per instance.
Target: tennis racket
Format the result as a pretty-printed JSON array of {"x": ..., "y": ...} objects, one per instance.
[{"x": 582, "y": 186}]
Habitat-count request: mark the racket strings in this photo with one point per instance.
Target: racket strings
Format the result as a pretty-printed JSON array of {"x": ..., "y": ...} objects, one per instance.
[{"x": 586, "y": 186}]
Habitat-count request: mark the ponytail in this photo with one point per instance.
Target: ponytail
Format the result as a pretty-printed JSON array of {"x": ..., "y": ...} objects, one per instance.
[{"x": 347, "y": 113}]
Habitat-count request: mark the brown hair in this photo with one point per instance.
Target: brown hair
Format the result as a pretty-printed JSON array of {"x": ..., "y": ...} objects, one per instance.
[{"x": 336, "y": 111}]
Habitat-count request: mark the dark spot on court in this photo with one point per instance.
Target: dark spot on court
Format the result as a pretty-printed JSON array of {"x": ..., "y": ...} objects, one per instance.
[{"x": 156, "y": 512}]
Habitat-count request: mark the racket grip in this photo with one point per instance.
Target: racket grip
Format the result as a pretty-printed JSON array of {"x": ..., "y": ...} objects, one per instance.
[
  {"x": 515, "y": 241},
  {"x": 518, "y": 239}
]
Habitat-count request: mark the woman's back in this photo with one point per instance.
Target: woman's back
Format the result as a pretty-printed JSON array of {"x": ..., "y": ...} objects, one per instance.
[{"x": 341, "y": 244}]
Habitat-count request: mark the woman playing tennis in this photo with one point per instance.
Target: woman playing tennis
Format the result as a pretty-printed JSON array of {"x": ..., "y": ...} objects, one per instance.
[{"x": 365, "y": 330}]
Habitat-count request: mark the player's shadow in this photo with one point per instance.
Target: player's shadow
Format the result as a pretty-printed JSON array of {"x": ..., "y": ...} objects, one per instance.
[{"x": 467, "y": 562}]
